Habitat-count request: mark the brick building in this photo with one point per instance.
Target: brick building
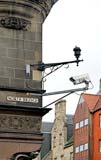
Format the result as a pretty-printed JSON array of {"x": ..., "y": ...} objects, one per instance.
[{"x": 87, "y": 128}]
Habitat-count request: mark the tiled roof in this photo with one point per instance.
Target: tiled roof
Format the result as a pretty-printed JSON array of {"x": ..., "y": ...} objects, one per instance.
[
  {"x": 98, "y": 104},
  {"x": 69, "y": 143},
  {"x": 69, "y": 118},
  {"x": 93, "y": 101},
  {"x": 46, "y": 127},
  {"x": 46, "y": 130}
]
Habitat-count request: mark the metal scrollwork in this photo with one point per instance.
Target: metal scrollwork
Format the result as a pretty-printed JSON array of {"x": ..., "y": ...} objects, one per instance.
[{"x": 15, "y": 23}]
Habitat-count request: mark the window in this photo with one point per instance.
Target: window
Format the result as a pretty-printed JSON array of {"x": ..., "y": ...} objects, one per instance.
[
  {"x": 81, "y": 148},
  {"x": 86, "y": 121},
  {"x": 86, "y": 146},
  {"x": 81, "y": 124},
  {"x": 100, "y": 145},
  {"x": 76, "y": 125},
  {"x": 77, "y": 149}
]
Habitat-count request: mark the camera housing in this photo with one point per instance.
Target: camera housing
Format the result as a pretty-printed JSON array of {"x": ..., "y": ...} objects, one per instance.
[{"x": 80, "y": 79}]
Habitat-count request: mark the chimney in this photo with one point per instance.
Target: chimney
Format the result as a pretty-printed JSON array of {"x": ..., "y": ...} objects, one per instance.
[{"x": 60, "y": 109}]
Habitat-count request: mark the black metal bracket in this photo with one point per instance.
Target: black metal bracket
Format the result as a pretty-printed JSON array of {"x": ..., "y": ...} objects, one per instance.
[
  {"x": 43, "y": 66},
  {"x": 55, "y": 66}
]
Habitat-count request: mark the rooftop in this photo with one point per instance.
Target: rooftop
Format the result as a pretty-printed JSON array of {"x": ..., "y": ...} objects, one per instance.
[{"x": 93, "y": 101}]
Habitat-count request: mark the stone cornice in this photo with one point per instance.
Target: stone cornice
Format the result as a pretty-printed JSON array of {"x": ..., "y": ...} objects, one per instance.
[{"x": 25, "y": 8}]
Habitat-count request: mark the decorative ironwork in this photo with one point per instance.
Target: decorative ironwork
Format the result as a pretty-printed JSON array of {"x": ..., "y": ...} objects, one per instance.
[
  {"x": 15, "y": 23},
  {"x": 25, "y": 155}
]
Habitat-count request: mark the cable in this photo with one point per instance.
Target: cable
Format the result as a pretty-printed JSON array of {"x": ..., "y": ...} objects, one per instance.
[
  {"x": 70, "y": 92},
  {"x": 58, "y": 99}
]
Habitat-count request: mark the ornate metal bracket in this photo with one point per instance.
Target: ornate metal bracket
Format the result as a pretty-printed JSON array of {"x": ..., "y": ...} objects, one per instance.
[
  {"x": 25, "y": 155},
  {"x": 15, "y": 23}
]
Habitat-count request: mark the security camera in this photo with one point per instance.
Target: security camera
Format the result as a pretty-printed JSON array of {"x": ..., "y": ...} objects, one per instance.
[{"x": 80, "y": 79}]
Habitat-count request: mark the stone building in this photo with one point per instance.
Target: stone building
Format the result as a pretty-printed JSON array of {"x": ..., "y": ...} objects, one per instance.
[
  {"x": 20, "y": 77},
  {"x": 61, "y": 131},
  {"x": 61, "y": 136},
  {"x": 68, "y": 149}
]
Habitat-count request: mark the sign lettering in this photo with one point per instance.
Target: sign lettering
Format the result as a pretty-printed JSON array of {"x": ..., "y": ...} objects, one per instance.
[{"x": 22, "y": 99}]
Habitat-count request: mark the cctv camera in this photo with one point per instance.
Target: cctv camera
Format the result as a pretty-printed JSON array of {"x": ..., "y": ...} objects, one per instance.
[
  {"x": 72, "y": 79},
  {"x": 80, "y": 79}
]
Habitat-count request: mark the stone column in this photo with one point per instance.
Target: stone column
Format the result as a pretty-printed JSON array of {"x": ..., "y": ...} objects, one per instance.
[{"x": 20, "y": 92}]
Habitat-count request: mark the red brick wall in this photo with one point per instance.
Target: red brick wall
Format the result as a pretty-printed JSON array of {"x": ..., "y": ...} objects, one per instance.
[
  {"x": 81, "y": 135},
  {"x": 96, "y": 136}
]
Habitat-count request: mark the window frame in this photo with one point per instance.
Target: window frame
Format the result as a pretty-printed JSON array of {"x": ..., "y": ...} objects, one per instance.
[
  {"x": 100, "y": 120},
  {"x": 100, "y": 145},
  {"x": 77, "y": 149},
  {"x": 81, "y": 124},
  {"x": 77, "y": 125},
  {"x": 86, "y": 121},
  {"x": 81, "y": 148},
  {"x": 86, "y": 146}
]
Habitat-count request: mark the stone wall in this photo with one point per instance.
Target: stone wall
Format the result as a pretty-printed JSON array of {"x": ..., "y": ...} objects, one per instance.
[
  {"x": 59, "y": 131},
  {"x": 18, "y": 48},
  {"x": 68, "y": 153},
  {"x": 20, "y": 45}
]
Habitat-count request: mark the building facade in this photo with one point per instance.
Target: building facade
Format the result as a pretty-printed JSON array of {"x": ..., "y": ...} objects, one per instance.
[
  {"x": 68, "y": 149},
  {"x": 87, "y": 129},
  {"x": 60, "y": 141},
  {"x": 20, "y": 77}
]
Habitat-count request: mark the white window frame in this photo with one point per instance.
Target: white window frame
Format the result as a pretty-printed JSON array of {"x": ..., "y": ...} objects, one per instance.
[
  {"x": 77, "y": 149},
  {"x": 77, "y": 126},
  {"x": 85, "y": 146},
  {"x": 86, "y": 121},
  {"x": 81, "y": 124},
  {"x": 81, "y": 148},
  {"x": 100, "y": 145}
]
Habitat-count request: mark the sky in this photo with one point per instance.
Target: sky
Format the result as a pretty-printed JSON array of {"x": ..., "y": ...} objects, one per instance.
[{"x": 72, "y": 23}]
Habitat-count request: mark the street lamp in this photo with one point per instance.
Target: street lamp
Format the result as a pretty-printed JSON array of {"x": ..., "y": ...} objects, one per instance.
[
  {"x": 77, "y": 54},
  {"x": 42, "y": 66}
]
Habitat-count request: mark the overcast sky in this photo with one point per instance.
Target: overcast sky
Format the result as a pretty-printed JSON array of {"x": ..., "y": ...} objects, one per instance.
[{"x": 72, "y": 23}]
